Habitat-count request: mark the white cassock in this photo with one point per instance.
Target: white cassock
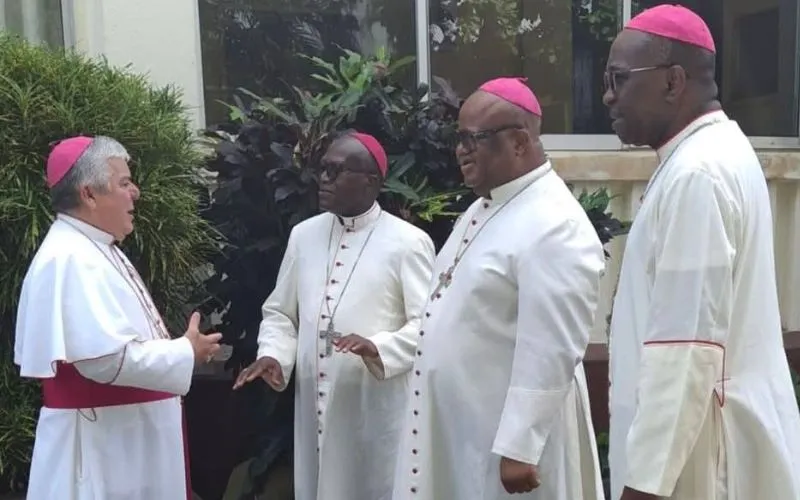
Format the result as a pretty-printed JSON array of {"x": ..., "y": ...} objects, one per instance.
[
  {"x": 372, "y": 272},
  {"x": 111, "y": 426},
  {"x": 702, "y": 405},
  {"x": 499, "y": 367}
]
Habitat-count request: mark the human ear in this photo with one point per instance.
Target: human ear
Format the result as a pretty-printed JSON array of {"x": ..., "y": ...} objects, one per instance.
[
  {"x": 522, "y": 142},
  {"x": 676, "y": 82}
]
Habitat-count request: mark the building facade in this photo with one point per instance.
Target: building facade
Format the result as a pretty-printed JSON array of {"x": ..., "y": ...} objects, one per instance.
[{"x": 209, "y": 48}]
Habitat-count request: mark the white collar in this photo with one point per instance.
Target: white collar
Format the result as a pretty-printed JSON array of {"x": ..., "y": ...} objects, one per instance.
[
  {"x": 360, "y": 221},
  {"x": 701, "y": 121},
  {"x": 506, "y": 191},
  {"x": 89, "y": 230}
]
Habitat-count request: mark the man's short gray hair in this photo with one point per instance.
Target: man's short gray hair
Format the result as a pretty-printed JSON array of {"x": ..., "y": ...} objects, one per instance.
[{"x": 91, "y": 169}]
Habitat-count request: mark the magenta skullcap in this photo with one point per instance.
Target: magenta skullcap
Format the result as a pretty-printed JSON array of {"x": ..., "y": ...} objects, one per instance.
[
  {"x": 375, "y": 149},
  {"x": 63, "y": 157},
  {"x": 514, "y": 90},
  {"x": 674, "y": 22}
]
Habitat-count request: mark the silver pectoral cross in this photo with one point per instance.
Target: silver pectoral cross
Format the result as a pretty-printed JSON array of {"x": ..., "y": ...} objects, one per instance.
[
  {"x": 329, "y": 335},
  {"x": 445, "y": 279}
]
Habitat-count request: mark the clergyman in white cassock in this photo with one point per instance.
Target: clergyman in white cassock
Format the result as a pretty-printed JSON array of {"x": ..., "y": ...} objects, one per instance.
[
  {"x": 111, "y": 425},
  {"x": 345, "y": 316},
  {"x": 499, "y": 406},
  {"x": 702, "y": 404}
]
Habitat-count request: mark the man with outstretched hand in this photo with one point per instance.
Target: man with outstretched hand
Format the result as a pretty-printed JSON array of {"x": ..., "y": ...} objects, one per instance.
[
  {"x": 344, "y": 315},
  {"x": 111, "y": 425}
]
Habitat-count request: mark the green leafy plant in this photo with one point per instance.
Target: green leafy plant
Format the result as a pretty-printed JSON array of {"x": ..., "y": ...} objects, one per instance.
[
  {"x": 47, "y": 95},
  {"x": 19, "y": 407},
  {"x": 596, "y": 205}
]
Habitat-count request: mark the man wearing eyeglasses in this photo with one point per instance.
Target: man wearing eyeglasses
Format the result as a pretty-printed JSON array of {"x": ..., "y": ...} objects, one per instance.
[
  {"x": 499, "y": 403},
  {"x": 345, "y": 316},
  {"x": 702, "y": 404}
]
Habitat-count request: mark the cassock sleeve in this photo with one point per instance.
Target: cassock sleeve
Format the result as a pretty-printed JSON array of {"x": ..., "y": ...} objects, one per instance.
[
  {"x": 690, "y": 308},
  {"x": 396, "y": 349},
  {"x": 158, "y": 365},
  {"x": 277, "y": 334},
  {"x": 558, "y": 279}
]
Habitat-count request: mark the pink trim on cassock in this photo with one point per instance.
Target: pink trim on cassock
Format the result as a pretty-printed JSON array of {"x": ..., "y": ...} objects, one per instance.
[
  {"x": 69, "y": 390},
  {"x": 706, "y": 343}
]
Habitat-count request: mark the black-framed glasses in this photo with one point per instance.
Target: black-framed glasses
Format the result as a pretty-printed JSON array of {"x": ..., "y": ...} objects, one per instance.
[
  {"x": 469, "y": 139},
  {"x": 333, "y": 170},
  {"x": 613, "y": 79}
]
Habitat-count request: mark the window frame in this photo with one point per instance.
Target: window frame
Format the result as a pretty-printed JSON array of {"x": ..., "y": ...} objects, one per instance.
[{"x": 584, "y": 142}]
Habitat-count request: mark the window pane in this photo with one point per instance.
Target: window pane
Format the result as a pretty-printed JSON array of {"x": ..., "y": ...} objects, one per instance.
[
  {"x": 36, "y": 20},
  {"x": 561, "y": 46},
  {"x": 255, "y": 43},
  {"x": 757, "y": 60}
]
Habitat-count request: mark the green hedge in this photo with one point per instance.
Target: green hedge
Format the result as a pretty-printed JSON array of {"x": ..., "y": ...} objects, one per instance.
[{"x": 46, "y": 95}]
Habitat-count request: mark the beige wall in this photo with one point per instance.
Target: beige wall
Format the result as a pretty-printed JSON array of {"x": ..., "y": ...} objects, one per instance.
[{"x": 160, "y": 38}]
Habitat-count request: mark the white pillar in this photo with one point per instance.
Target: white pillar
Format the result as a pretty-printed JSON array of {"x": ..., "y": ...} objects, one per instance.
[
  {"x": 423, "y": 46},
  {"x": 31, "y": 21},
  {"x": 155, "y": 37}
]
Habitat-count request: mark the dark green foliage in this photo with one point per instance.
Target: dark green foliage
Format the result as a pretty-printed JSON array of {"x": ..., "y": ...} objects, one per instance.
[
  {"x": 19, "y": 406},
  {"x": 596, "y": 206},
  {"x": 46, "y": 96}
]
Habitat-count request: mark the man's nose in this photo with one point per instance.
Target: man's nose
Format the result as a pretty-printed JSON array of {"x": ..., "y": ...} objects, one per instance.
[
  {"x": 135, "y": 193},
  {"x": 460, "y": 150},
  {"x": 609, "y": 97},
  {"x": 324, "y": 177}
]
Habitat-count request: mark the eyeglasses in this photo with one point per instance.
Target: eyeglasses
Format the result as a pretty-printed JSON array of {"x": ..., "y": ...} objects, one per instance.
[
  {"x": 333, "y": 170},
  {"x": 469, "y": 140},
  {"x": 613, "y": 79}
]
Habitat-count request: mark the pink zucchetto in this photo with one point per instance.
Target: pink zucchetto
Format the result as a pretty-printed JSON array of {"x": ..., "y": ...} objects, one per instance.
[
  {"x": 375, "y": 149},
  {"x": 515, "y": 91},
  {"x": 63, "y": 157},
  {"x": 674, "y": 22}
]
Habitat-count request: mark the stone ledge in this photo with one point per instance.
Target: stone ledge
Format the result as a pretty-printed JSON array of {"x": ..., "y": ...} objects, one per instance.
[{"x": 638, "y": 165}]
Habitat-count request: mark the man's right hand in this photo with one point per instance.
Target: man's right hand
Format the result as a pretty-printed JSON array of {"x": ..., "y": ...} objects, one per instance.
[
  {"x": 205, "y": 346},
  {"x": 267, "y": 368}
]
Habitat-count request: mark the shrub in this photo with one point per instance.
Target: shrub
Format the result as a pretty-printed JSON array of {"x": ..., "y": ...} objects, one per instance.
[{"x": 46, "y": 95}]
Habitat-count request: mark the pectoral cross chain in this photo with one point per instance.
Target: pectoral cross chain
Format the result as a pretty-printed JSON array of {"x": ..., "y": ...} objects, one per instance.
[
  {"x": 329, "y": 335},
  {"x": 445, "y": 279}
]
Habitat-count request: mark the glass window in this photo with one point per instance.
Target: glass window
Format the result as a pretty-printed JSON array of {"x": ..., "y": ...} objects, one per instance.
[
  {"x": 36, "y": 20},
  {"x": 561, "y": 46},
  {"x": 255, "y": 43},
  {"x": 757, "y": 60}
]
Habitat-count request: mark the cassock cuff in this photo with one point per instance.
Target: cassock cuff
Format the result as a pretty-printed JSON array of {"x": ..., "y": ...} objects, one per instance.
[
  {"x": 677, "y": 387},
  {"x": 284, "y": 359},
  {"x": 390, "y": 361},
  {"x": 525, "y": 424},
  {"x": 185, "y": 359}
]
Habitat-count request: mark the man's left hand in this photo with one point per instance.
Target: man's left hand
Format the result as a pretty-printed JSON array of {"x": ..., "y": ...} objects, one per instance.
[
  {"x": 631, "y": 494},
  {"x": 518, "y": 477},
  {"x": 356, "y": 344}
]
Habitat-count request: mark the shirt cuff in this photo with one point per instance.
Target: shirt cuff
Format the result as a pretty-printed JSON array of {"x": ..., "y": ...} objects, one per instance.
[
  {"x": 525, "y": 424},
  {"x": 393, "y": 358}
]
